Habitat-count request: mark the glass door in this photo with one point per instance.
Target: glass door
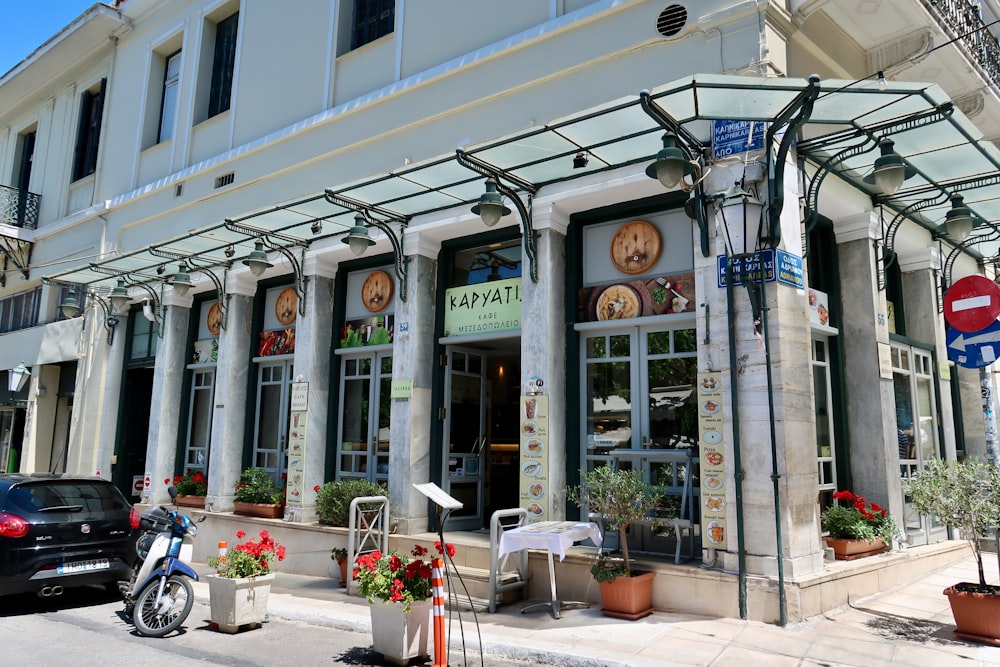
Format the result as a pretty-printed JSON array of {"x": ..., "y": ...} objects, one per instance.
[
  {"x": 365, "y": 385},
  {"x": 270, "y": 445},
  {"x": 200, "y": 420},
  {"x": 465, "y": 436}
]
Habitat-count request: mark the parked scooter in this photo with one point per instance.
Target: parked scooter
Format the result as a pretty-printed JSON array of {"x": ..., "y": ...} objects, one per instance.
[{"x": 159, "y": 597}]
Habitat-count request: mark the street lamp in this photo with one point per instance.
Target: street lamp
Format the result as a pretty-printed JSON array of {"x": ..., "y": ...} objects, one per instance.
[
  {"x": 17, "y": 376},
  {"x": 490, "y": 207},
  {"x": 358, "y": 239},
  {"x": 257, "y": 260},
  {"x": 181, "y": 281}
]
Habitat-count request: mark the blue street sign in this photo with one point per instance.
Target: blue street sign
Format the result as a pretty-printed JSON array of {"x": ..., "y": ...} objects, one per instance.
[
  {"x": 749, "y": 267},
  {"x": 790, "y": 269},
  {"x": 974, "y": 350},
  {"x": 732, "y": 137}
]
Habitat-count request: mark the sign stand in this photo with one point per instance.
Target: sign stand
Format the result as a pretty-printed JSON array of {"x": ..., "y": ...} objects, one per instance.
[{"x": 446, "y": 504}]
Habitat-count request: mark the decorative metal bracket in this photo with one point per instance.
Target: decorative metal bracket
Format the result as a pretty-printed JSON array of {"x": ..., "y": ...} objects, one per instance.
[
  {"x": 17, "y": 252},
  {"x": 695, "y": 151},
  {"x": 268, "y": 239},
  {"x": 791, "y": 118},
  {"x": 366, "y": 210},
  {"x": 110, "y": 319},
  {"x": 155, "y": 301},
  {"x": 206, "y": 269},
  {"x": 523, "y": 210}
]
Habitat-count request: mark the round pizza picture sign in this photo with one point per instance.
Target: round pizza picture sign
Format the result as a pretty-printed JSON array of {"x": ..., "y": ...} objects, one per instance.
[
  {"x": 286, "y": 305},
  {"x": 376, "y": 291},
  {"x": 635, "y": 247}
]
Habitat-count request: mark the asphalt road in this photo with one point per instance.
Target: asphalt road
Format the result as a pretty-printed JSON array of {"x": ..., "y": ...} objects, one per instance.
[{"x": 86, "y": 627}]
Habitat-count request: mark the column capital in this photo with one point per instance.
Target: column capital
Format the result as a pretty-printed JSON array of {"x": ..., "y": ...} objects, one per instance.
[
  {"x": 242, "y": 283},
  {"x": 415, "y": 243},
  {"x": 314, "y": 267},
  {"x": 865, "y": 225},
  {"x": 172, "y": 298},
  {"x": 547, "y": 216},
  {"x": 919, "y": 259}
]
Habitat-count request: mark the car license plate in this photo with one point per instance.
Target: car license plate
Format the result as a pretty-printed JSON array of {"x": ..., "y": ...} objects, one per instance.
[{"x": 84, "y": 566}]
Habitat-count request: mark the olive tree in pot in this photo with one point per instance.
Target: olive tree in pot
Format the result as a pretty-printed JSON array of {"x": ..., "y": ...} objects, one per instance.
[
  {"x": 622, "y": 498},
  {"x": 965, "y": 495}
]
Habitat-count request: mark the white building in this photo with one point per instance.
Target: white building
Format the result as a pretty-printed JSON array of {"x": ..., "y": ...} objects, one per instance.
[{"x": 189, "y": 138}]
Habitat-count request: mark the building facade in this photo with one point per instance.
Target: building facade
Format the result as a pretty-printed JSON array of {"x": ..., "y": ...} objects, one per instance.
[{"x": 253, "y": 245}]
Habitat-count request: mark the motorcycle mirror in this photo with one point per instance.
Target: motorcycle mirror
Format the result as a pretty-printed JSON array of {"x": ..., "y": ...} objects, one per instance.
[
  {"x": 172, "y": 490},
  {"x": 201, "y": 518}
]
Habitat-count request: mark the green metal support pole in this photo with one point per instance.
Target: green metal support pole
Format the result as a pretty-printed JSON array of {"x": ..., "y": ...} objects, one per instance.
[
  {"x": 775, "y": 477},
  {"x": 741, "y": 552}
]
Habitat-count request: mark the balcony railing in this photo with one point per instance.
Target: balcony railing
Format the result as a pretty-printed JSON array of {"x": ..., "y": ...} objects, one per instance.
[
  {"x": 19, "y": 208},
  {"x": 963, "y": 17}
]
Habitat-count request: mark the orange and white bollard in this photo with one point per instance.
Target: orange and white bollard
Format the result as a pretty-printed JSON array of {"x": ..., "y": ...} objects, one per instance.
[
  {"x": 223, "y": 548},
  {"x": 437, "y": 592}
]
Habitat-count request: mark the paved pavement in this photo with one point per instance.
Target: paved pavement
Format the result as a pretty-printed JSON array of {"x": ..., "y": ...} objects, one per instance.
[{"x": 908, "y": 626}]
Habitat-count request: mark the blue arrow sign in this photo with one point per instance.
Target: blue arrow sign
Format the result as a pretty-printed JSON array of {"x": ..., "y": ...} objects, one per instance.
[{"x": 974, "y": 350}]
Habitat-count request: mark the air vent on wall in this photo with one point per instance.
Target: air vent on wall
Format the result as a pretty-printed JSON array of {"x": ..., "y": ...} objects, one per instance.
[
  {"x": 225, "y": 179},
  {"x": 671, "y": 20},
  {"x": 178, "y": 189}
]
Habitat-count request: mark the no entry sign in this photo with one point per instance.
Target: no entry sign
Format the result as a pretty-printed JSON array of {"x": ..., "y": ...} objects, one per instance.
[{"x": 972, "y": 303}]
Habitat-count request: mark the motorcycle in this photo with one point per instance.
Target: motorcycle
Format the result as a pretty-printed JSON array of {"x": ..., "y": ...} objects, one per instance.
[{"x": 159, "y": 596}]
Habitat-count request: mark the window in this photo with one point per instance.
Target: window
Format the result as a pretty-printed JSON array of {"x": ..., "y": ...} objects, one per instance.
[
  {"x": 823, "y": 400},
  {"x": 144, "y": 338},
  {"x": 20, "y": 311},
  {"x": 372, "y": 19},
  {"x": 200, "y": 419},
  {"x": 223, "y": 63},
  {"x": 89, "y": 131},
  {"x": 171, "y": 89}
]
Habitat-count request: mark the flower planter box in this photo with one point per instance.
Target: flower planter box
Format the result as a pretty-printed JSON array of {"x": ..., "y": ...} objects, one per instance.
[
  {"x": 977, "y": 615},
  {"x": 264, "y": 510},
  {"x": 238, "y": 602},
  {"x": 190, "y": 501},
  {"x": 845, "y": 549},
  {"x": 400, "y": 635}
]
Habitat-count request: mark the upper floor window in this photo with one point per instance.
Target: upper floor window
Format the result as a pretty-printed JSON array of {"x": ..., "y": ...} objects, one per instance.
[
  {"x": 20, "y": 311},
  {"x": 223, "y": 64},
  {"x": 88, "y": 133},
  {"x": 171, "y": 89},
  {"x": 372, "y": 19}
]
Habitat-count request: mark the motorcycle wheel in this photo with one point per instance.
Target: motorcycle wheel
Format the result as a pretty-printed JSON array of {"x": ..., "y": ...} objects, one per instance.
[{"x": 156, "y": 620}]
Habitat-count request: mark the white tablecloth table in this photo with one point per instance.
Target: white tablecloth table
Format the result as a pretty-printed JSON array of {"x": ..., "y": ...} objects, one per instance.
[{"x": 554, "y": 537}]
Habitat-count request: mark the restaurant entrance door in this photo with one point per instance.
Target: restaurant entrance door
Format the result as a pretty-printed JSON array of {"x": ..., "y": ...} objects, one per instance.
[{"x": 480, "y": 446}]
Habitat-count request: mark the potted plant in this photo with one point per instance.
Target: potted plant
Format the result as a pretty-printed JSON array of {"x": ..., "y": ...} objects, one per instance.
[
  {"x": 339, "y": 554},
  {"x": 399, "y": 589},
  {"x": 856, "y": 528},
  {"x": 333, "y": 499},
  {"x": 622, "y": 498},
  {"x": 191, "y": 488},
  {"x": 239, "y": 589},
  {"x": 258, "y": 495},
  {"x": 965, "y": 495}
]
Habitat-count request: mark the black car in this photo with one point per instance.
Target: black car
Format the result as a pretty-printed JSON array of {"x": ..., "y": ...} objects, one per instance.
[{"x": 58, "y": 531}]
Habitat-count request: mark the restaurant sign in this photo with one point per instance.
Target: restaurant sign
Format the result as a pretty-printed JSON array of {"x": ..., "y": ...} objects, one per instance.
[{"x": 483, "y": 308}]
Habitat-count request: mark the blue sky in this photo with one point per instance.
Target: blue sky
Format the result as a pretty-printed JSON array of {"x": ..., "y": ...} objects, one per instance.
[{"x": 29, "y": 24}]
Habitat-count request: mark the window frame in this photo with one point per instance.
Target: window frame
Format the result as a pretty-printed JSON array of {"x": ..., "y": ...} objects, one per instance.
[
  {"x": 88, "y": 135},
  {"x": 371, "y": 20},
  {"x": 223, "y": 65}
]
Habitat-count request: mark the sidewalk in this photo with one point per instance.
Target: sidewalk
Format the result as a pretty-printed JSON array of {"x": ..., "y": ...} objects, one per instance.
[{"x": 911, "y": 625}]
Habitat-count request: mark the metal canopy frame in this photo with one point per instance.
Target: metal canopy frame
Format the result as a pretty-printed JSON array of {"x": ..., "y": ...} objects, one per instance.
[{"x": 845, "y": 122}]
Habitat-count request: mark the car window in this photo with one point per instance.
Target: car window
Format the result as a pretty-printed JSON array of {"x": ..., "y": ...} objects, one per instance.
[{"x": 67, "y": 496}]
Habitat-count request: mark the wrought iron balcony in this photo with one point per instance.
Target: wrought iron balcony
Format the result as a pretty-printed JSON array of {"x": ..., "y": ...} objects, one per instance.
[
  {"x": 964, "y": 18},
  {"x": 19, "y": 208}
]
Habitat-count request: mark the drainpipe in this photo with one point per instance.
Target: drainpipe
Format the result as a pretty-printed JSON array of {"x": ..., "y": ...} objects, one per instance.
[{"x": 737, "y": 463}]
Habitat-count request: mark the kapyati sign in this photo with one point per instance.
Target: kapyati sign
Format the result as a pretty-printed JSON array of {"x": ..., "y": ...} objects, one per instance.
[{"x": 483, "y": 308}]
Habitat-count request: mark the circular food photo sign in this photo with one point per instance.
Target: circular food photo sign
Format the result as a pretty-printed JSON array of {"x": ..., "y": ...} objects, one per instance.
[
  {"x": 286, "y": 305},
  {"x": 635, "y": 247},
  {"x": 376, "y": 291},
  {"x": 213, "y": 319}
]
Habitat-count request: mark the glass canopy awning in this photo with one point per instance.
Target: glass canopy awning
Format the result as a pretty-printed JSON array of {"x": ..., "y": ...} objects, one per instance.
[{"x": 840, "y": 138}]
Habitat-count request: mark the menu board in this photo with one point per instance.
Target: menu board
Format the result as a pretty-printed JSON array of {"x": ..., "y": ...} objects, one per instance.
[
  {"x": 534, "y": 461},
  {"x": 714, "y": 534},
  {"x": 296, "y": 457}
]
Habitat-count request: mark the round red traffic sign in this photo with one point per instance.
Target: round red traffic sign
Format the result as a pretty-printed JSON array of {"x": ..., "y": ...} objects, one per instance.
[{"x": 972, "y": 303}]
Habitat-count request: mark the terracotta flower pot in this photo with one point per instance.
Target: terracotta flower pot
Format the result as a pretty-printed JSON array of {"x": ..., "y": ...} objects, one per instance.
[
  {"x": 845, "y": 549},
  {"x": 628, "y": 597},
  {"x": 190, "y": 501},
  {"x": 264, "y": 510},
  {"x": 977, "y": 615},
  {"x": 342, "y": 562}
]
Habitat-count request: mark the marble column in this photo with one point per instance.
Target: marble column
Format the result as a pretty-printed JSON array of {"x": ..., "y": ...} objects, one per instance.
[
  {"x": 873, "y": 444},
  {"x": 924, "y": 322},
  {"x": 411, "y": 418},
  {"x": 96, "y": 409},
  {"x": 312, "y": 365},
  {"x": 543, "y": 339},
  {"x": 165, "y": 403},
  {"x": 229, "y": 418}
]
